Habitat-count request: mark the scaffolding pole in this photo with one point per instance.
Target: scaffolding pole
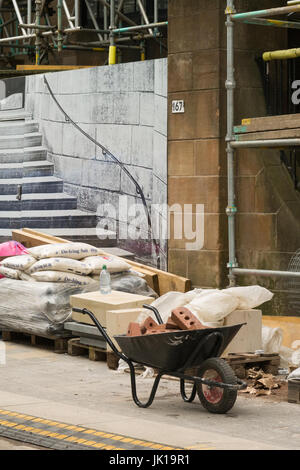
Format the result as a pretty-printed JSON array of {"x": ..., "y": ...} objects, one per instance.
[
  {"x": 231, "y": 209},
  {"x": 255, "y": 17}
]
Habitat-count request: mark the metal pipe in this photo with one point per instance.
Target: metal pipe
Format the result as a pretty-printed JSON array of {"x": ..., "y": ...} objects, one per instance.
[
  {"x": 265, "y": 13},
  {"x": 77, "y": 13},
  {"x": 112, "y": 46},
  {"x": 141, "y": 26},
  {"x": 59, "y": 25},
  {"x": 34, "y": 26},
  {"x": 120, "y": 15},
  {"x": 277, "y": 143},
  {"x": 38, "y": 41},
  {"x": 144, "y": 15},
  {"x": 19, "y": 16},
  {"x": 94, "y": 21},
  {"x": 231, "y": 209},
  {"x": 29, "y": 11},
  {"x": 276, "y": 23},
  {"x": 281, "y": 55},
  {"x": 264, "y": 272}
]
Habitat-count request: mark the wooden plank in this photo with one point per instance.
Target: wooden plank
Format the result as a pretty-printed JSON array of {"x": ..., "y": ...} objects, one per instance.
[
  {"x": 75, "y": 348},
  {"x": 268, "y": 123},
  {"x": 52, "y": 68},
  {"x": 166, "y": 281},
  {"x": 275, "y": 134}
]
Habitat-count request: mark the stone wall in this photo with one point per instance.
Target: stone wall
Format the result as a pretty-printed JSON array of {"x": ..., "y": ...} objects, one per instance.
[
  {"x": 124, "y": 107},
  {"x": 267, "y": 223}
]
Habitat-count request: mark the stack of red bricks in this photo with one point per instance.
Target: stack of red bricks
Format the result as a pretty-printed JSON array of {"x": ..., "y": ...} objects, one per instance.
[{"x": 181, "y": 319}]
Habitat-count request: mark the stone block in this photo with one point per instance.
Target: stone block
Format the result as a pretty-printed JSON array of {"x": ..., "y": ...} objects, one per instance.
[
  {"x": 180, "y": 72},
  {"x": 182, "y": 38},
  {"x": 196, "y": 190},
  {"x": 117, "y": 138},
  {"x": 161, "y": 115},
  {"x": 181, "y": 161},
  {"x": 76, "y": 144},
  {"x": 147, "y": 109},
  {"x": 142, "y": 146},
  {"x": 101, "y": 175},
  {"x": 249, "y": 338},
  {"x": 161, "y": 77},
  {"x": 208, "y": 160},
  {"x": 256, "y": 231},
  {"x": 206, "y": 69},
  {"x": 204, "y": 268},
  {"x": 200, "y": 119},
  {"x": 142, "y": 176},
  {"x": 160, "y": 163},
  {"x": 126, "y": 108},
  {"x": 143, "y": 79}
]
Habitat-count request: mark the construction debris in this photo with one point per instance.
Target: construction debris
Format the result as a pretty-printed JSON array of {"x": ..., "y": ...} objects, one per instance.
[{"x": 261, "y": 382}]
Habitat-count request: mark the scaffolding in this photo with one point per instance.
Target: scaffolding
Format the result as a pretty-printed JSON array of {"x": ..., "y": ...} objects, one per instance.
[
  {"x": 29, "y": 25},
  {"x": 262, "y": 18}
]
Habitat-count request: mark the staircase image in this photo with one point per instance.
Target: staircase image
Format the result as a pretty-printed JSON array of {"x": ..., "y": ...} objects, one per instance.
[{"x": 30, "y": 196}]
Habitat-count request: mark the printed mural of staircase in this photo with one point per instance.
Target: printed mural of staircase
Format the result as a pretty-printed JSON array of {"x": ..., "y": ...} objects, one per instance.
[{"x": 43, "y": 205}]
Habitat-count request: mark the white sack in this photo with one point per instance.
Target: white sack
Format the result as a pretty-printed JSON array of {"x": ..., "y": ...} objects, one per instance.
[
  {"x": 211, "y": 306},
  {"x": 250, "y": 296},
  {"x": 58, "y": 276},
  {"x": 21, "y": 262},
  {"x": 60, "y": 264},
  {"x": 271, "y": 339},
  {"x": 167, "y": 302},
  {"x": 26, "y": 277},
  {"x": 10, "y": 273},
  {"x": 64, "y": 250},
  {"x": 113, "y": 264}
]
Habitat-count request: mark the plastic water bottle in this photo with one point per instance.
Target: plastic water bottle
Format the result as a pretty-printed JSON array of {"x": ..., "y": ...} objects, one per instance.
[{"x": 105, "y": 281}]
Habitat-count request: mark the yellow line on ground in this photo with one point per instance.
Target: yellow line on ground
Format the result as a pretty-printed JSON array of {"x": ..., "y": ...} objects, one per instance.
[{"x": 77, "y": 439}]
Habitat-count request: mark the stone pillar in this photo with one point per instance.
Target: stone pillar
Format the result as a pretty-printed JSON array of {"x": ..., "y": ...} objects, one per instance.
[{"x": 196, "y": 162}]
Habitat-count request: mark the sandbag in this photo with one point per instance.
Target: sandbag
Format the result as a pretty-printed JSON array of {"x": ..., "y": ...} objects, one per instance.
[
  {"x": 112, "y": 263},
  {"x": 26, "y": 277},
  {"x": 21, "y": 262},
  {"x": 271, "y": 339},
  {"x": 58, "y": 276},
  {"x": 10, "y": 273},
  {"x": 250, "y": 296},
  {"x": 74, "y": 250},
  {"x": 60, "y": 264},
  {"x": 211, "y": 306}
]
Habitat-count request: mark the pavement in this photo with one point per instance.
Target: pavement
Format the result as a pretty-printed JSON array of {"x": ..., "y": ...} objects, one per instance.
[{"x": 36, "y": 382}]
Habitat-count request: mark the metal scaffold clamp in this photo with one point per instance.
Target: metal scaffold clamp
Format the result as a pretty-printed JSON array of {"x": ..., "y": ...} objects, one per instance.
[
  {"x": 231, "y": 210},
  {"x": 230, "y": 11}
]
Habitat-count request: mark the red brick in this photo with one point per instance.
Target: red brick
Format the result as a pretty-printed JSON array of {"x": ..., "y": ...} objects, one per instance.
[
  {"x": 134, "y": 329},
  {"x": 149, "y": 323},
  {"x": 185, "y": 319}
]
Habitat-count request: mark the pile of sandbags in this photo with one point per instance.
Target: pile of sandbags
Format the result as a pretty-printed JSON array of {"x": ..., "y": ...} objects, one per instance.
[{"x": 76, "y": 263}]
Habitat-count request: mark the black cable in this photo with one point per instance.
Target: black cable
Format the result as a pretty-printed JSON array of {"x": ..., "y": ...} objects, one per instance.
[{"x": 105, "y": 151}]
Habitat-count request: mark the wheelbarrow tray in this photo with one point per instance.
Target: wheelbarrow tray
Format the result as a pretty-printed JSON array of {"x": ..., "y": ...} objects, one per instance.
[{"x": 173, "y": 351}]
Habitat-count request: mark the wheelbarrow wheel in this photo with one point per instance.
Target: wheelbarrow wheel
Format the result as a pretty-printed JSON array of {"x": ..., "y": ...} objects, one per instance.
[{"x": 216, "y": 399}]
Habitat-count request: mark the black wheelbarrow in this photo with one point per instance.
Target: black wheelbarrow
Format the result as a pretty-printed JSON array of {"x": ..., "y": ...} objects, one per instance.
[{"x": 174, "y": 353}]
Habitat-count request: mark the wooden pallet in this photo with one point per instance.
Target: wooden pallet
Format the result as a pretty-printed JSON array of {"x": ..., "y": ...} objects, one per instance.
[
  {"x": 269, "y": 363},
  {"x": 75, "y": 348},
  {"x": 58, "y": 344}
]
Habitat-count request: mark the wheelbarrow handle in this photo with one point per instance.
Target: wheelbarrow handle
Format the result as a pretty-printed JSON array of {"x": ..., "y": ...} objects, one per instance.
[
  {"x": 85, "y": 311},
  {"x": 156, "y": 313}
]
